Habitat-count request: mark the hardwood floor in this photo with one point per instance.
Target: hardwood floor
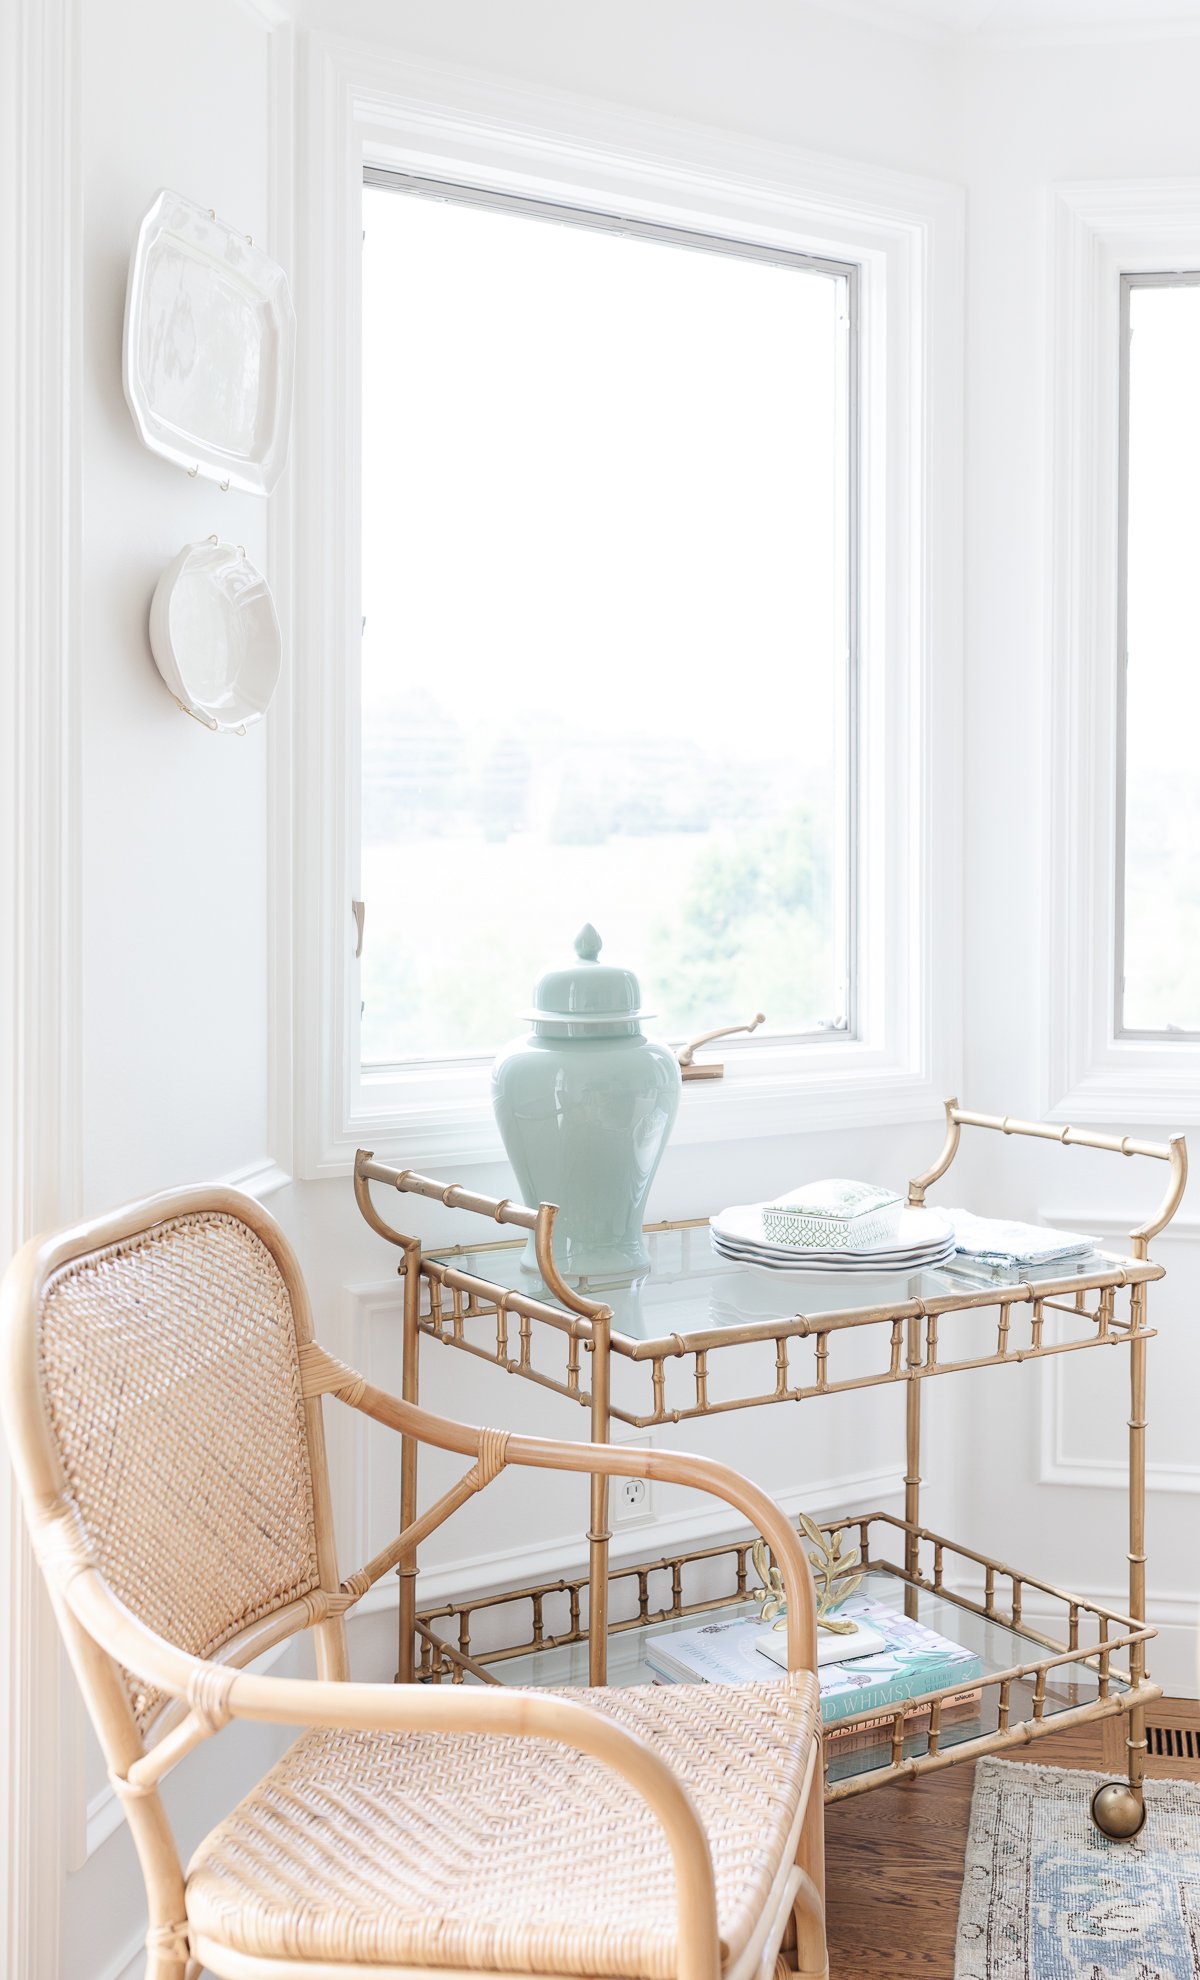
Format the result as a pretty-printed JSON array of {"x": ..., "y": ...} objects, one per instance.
[{"x": 894, "y": 1858}]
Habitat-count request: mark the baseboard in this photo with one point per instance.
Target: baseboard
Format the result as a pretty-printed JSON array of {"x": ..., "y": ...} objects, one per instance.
[
  {"x": 130, "y": 1962},
  {"x": 259, "y": 1179},
  {"x": 498, "y": 1571}
]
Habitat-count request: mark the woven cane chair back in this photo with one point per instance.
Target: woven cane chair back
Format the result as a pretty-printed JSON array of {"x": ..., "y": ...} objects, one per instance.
[{"x": 170, "y": 1381}]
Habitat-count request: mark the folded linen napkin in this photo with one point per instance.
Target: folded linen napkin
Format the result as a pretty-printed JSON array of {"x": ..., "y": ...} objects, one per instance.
[{"x": 998, "y": 1241}]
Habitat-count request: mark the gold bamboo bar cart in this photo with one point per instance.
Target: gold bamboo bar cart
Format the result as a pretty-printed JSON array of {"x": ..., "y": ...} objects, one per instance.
[{"x": 476, "y": 1299}]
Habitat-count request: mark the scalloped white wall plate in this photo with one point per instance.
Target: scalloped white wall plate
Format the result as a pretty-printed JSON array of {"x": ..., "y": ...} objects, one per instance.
[
  {"x": 210, "y": 336},
  {"x": 214, "y": 633}
]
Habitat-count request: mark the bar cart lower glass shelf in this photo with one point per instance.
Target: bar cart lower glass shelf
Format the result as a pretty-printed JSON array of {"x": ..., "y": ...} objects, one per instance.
[
  {"x": 1029, "y": 1683},
  {"x": 1081, "y": 1662}
]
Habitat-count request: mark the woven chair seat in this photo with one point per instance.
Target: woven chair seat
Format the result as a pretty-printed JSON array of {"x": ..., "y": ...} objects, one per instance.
[{"x": 479, "y": 1851}]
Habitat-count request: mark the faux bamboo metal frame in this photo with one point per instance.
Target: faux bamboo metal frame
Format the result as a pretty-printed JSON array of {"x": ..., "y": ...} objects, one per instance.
[{"x": 916, "y": 1339}]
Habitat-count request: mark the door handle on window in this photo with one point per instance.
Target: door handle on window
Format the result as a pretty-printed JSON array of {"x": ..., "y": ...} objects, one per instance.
[
  {"x": 685, "y": 1055},
  {"x": 359, "y": 910}
]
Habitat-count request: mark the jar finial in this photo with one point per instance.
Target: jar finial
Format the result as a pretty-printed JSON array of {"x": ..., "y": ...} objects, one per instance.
[{"x": 587, "y": 943}]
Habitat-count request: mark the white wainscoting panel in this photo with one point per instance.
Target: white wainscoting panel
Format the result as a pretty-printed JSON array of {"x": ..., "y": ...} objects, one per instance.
[{"x": 1083, "y": 1407}]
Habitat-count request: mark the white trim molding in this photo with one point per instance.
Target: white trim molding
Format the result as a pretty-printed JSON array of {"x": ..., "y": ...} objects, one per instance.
[
  {"x": 280, "y": 736},
  {"x": 40, "y": 1015},
  {"x": 130, "y": 1962},
  {"x": 1097, "y": 233},
  {"x": 258, "y": 1179},
  {"x": 906, "y": 235}
]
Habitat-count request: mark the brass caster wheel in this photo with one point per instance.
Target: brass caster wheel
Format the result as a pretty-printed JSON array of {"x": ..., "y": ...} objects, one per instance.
[{"x": 1119, "y": 1811}]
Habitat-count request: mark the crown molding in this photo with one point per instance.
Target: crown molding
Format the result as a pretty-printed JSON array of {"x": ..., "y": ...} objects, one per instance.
[
  {"x": 988, "y": 25},
  {"x": 269, "y": 14}
]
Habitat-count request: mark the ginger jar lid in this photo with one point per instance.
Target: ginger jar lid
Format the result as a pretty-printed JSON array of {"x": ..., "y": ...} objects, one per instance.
[{"x": 590, "y": 994}]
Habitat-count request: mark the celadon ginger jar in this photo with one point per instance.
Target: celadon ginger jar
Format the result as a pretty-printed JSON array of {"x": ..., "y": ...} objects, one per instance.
[{"x": 585, "y": 1106}]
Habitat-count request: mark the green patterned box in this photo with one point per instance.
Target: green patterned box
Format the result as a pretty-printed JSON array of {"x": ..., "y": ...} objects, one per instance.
[{"x": 833, "y": 1215}]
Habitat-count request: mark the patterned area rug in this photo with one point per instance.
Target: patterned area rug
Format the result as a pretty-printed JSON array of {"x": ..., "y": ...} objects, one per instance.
[{"x": 1047, "y": 1897}]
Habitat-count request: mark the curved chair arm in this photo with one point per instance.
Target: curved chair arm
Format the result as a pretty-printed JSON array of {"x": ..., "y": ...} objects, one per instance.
[
  {"x": 218, "y": 1693},
  {"x": 323, "y": 1373}
]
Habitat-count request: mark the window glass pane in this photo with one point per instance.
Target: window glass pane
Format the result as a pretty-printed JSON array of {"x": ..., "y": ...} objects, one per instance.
[
  {"x": 1161, "y": 948},
  {"x": 604, "y": 674}
]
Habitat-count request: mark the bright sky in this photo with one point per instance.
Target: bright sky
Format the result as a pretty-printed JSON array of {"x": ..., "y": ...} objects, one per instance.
[
  {"x": 1162, "y": 861},
  {"x": 1164, "y": 526},
  {"x": 600, "y": 473},
  {"x": 604, "y": 533}
]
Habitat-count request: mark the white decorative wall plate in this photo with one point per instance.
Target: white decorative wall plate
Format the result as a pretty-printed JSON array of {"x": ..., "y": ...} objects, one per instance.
[
  {"x": 215, "y": 635},
  {"x": 210, "y": 337}
]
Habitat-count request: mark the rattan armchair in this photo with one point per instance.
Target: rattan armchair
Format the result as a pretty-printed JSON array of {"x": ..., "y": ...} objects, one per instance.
[{"x": 163, "y": 1398}]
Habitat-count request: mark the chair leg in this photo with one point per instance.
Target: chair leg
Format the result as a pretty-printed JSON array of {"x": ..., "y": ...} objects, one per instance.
[
  {"x": 168, "y": 1956},
  {"x": 161, "y": 1966},
  {"x": 812, "y": 1957}
]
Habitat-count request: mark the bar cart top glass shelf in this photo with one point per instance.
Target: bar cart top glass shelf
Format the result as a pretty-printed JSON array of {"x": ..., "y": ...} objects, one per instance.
[{"x": 659, "y": 1353}]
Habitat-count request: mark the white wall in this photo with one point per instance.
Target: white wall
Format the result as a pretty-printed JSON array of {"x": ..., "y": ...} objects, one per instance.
[
  {"x": 173, "y": 820},
  {"x": 174, "y": 908}
]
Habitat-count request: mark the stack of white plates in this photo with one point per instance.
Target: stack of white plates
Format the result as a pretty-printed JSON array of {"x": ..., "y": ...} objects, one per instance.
[{"x": 921, "y": 1237}]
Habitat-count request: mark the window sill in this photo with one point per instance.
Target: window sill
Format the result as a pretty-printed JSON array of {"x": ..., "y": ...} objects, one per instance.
[{"x": 446, "y": 1124}]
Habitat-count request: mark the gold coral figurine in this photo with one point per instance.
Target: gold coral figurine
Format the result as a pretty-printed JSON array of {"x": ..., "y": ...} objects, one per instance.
[{"x": 833, "y": 1576}]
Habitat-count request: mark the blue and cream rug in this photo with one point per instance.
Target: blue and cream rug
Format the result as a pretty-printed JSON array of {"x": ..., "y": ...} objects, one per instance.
[{"x": 1047, "y": 1897}]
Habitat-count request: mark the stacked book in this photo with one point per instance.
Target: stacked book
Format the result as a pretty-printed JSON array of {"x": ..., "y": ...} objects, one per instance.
[
  {"x": 892, "y": 1660},
  {"x": 834, "y": 1225}
]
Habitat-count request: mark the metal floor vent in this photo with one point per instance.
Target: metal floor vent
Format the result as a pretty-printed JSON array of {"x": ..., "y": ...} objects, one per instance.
[{"x": 1173, "y": 1742}]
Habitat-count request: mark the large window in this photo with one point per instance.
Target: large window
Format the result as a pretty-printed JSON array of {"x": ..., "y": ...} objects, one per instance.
[
  {"x": 609, "y": 522},
  {"x": 1158, "y": 852}
]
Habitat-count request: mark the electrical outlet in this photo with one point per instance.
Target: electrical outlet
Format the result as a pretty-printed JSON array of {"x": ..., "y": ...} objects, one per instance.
[{"x": 630, "y": 1501}]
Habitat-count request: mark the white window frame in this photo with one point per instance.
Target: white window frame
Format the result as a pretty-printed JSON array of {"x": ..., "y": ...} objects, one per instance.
[
  {"x": 905, "y": 236},
  {"x": 1096, "y": 1072},
  {"x": 1130, "y": 280},
  {"x": 841, "y": 1023}
]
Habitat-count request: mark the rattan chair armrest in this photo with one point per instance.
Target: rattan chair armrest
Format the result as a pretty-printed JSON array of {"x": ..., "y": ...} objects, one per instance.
[
  {"x": 494, "y": 1448},
  {"x": 218, "y": 1693}
]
